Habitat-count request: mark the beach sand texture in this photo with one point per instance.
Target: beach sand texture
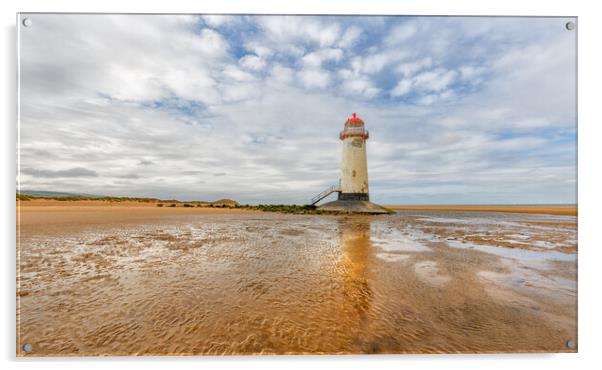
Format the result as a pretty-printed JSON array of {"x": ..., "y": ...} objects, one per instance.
[
  {"x": 568, "y": 210},
  {"x": 100, "y": 278}
]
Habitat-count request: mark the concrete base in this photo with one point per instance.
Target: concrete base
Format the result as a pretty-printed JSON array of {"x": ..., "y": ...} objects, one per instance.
[
  {"x": 353, "y": 196},
  {"x": 353, "y": 206}
]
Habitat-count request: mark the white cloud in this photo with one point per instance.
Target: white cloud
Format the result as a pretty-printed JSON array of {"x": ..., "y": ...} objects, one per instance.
[
  {"x": 375, "y": 62},
  {"x": 411, "y": 68},
  {"x": 471, "y": 73},
  {"x": 360, "y": 86},
  {"x": 287, "y": 29},
  {"x": 403, "y": 87},
  {"x": 282, "y": 75},
  {"x": 210, "y": 43},
  {"x": 239, "y": 92},
  {"x": 434, "y": 80},
  {"x": 217, "y": 20},
  {"x": 257, "y": 48},
  {"x": 314, "y": 77},
  {"x": 316, "y": 58},
  {"x": 350, "y": 36},
  {"x": 236, "y": 74},
  {"x": 427, "y": 99},
  {"x": 401, "y": 33},
  {"x": 252, "y": 62},
  {"x": 200, "y": 88}
]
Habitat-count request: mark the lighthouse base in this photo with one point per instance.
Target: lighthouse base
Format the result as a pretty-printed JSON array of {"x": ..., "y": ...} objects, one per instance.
[
  {"x": 354, "y": 206},
  {"x": 354, "y": 196}
]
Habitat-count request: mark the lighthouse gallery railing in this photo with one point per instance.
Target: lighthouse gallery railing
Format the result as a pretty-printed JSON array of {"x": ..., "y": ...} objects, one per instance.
[{"x": 354, "y": 131}]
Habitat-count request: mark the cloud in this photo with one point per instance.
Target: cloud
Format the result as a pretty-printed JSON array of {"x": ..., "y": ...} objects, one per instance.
[
  {"x": 128, "y": 176},
  {"x": 459, "y": 109},
  {"x": 410, "y": 68},
  {"x": 258, "y": 48},
  {"x": 252, "y": 62},
  {"x": 281, "y": 74},
  {"x": 71, "y": 172},
  {"x": 314, "y": 78},
  {"x": 376, "y": 62},
  {"x": 290, "y": 29},
  {"x": 350, "y": 37},
  {"x": 360, "y": 86},
  {"x": 403, "y": 87},
  {"x": 401, "y": 33},
  {"x": 218, "y": 20},
  {"x": 471, "y": 72},
  {"x": 434, "y": 80},
  {"x": 316, "y": 58}
]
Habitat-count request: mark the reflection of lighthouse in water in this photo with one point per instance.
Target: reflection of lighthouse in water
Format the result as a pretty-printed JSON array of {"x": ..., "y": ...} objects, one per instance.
[
  {"x": 357, "y": 258},
  {"x": 354, "y": 165},
  {"x": 360, "y": 281}
]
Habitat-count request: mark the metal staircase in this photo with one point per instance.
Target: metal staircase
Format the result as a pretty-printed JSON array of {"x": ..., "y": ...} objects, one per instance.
[{"x": 325, "y": 193}]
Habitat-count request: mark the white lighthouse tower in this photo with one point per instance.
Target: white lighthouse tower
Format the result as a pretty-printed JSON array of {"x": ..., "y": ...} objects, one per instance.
[
  {"x": 354, "y": 165},
  {"x": 353, "y": 185}
]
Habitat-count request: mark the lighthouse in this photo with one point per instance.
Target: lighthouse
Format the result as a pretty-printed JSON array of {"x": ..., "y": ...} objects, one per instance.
[
  {"x": 354, "y": 164},
  {"x": 353, "y": 195}
]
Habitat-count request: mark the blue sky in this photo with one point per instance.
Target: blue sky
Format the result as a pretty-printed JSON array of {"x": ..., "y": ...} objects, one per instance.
[{"x": 461, "y": 110}]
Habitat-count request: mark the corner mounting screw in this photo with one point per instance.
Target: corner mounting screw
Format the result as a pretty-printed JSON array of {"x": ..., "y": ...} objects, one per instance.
[
  {"x": 26, "y": 22},
  {"x": 570, "y": 26},
  {"x": 27, "y": 347}
]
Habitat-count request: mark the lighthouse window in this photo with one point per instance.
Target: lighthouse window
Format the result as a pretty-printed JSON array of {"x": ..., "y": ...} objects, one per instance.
[{"x": 353, "y": 173}]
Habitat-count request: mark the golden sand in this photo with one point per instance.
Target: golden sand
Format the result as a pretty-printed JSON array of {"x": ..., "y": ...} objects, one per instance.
[
  {"x": 42, "y": 214},
  {"x": 549, "y": 210}
]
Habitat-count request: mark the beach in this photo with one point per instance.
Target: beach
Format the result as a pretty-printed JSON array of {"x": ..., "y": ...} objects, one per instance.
[
  {"x": 566, "y": 210},
  {"x": 129, "y": 278}
]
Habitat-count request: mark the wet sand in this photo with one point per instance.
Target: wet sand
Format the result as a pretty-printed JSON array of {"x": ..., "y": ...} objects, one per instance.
[{"x": 143, "y": 280}]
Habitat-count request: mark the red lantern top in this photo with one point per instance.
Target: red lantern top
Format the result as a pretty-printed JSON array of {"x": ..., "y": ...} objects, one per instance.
[
  {"x": 354, "y": 119},
  {"x": 354, "y": 127}
]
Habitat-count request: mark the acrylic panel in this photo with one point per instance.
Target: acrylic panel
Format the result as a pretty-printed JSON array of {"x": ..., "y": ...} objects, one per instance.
[{"x": 289, "y": 184}]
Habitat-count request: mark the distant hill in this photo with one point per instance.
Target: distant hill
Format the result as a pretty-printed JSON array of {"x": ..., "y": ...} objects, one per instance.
[
  {"x": 59, "y": 195},
  {"x": 52, "y": 194},
  {"x": 225, "y": 202}
]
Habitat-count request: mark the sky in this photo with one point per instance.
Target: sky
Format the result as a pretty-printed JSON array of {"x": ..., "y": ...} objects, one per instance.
[{"x": 461, "y": 110}]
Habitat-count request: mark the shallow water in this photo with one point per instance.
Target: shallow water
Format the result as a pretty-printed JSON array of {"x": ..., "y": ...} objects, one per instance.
[{"x": 414, "y": 282}]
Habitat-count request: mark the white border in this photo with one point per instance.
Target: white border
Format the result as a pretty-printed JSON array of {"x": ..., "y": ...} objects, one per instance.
[{"x": 590, "y": 186}]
